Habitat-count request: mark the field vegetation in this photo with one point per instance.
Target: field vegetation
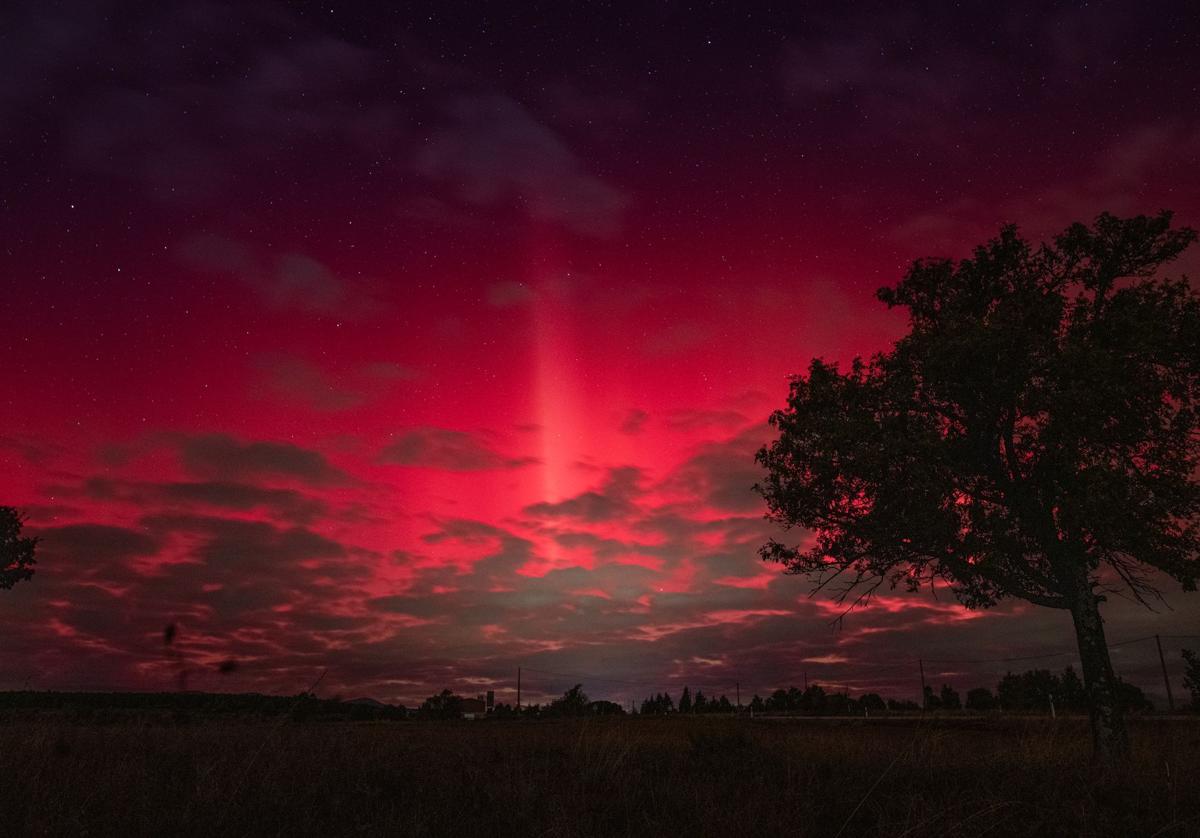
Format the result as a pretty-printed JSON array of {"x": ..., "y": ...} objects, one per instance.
[{"x": 136, "y": 771}]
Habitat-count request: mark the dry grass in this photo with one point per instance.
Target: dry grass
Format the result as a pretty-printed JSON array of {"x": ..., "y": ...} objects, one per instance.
[{"x": 146, "y": 775}]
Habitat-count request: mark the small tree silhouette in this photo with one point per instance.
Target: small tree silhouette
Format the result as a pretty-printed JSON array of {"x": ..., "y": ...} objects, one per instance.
[
  {"x": 574, "y": 702},
  {"x": 980, "y": 699},
  {"x": 16, "y": 551},
  {"x": 1191, "y": 677}
]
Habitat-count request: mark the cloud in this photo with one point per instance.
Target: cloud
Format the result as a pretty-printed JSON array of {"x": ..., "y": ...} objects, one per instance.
[
  {"x": 94, "y": 550},
  {"x": 722, "y": 474},
  {"x": 288, "y": 282},
  {"x": 698, "y": 420},
  {"x": 676, "y": 339},
  {"x": 634, "y": 422},
  {"x": 299, "y": 382},
  {"x": 864, "y": 74},
  {"x": 614, "y": 499},
  {"x": 190, "y": 136},
  {"x": 493, "y": 150},
  {"x": 302, "y": 282},
  {"x": 1149, "y": 159},
  {"x": 510, "y": 294},
  {"x": 287, "y": 504},
  {"x": 223, "y": 457},
  {"x": 443, "y": 448}
]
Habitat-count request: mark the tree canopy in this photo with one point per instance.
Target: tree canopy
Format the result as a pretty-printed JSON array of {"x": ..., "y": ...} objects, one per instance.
[
  {"x": 1034, "y": 435},
  {"x": 16, "y": 551}
]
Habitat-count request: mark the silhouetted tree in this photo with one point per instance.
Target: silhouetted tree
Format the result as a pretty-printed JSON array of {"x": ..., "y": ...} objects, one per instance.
[
  {"x": 1031, "y": 691},
  {"x": 949, "y": 698},
  {"x": 685, "y": 701},
  {"x": 757, "y": 705},
  {"x": 1071, "y": 696},
  {"x": 658, "y": 705},
  {"x": 574, "y": 702},
  {"x": 444, "y": 705},
  {"x": 1040, "y": 420},
  {"x": 813, "y": 701},
  {"x": 1132, "y": 699},
  {"x": 1191, "y": 677},
  {"x": 981, "y": 700},
  {"x": 931, "y": 700},
  {"x": 840, "y": 704},
  {"x": 872, "y": 703},
  {"x": 605, "y": 708},
  {"x": 504, "y": 711},
  {"x": 16, "y": 551}
]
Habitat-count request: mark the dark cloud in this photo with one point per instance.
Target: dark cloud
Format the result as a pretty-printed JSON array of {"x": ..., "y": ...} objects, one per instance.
[
  {"x": 701, "y": 420},
  {"x": 289, "y": 281},
  {"x": 1118, "y": 179},
  {"x": 287, "y": 504},
  {"x": 634, "y": 421},
  {"x": 616, "y": 498},
  {"x": 299, "y": 281},
  {"x": 723, "y": 474},
  {"x": 299, "y": 382},
  {"x": 493, "y": 150},
  {"x": 223, "y": 457},
  {"x": 676, "y": 338},
  {"x": 249, "y": 547},
  {"x": 142, "y": 98},
  {"x": 443, "y": 448},
  {"x": 94, "y": 550},
  {"x": 873, "y": 70},
  {"x": 510, "y": 294}
]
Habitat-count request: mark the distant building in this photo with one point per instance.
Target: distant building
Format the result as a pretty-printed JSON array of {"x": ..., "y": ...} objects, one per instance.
[{"x": 480, "y": 706}]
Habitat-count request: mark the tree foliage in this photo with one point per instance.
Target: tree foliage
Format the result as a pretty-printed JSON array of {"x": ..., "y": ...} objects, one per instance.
[
  {"x": 574, "y": 702},
  {"x": 17, "y": 552},
  {"x": 1041, "y": 415},
  {"x": 1036, "y": 435},
  {"x": 444, "y": 705},
  {"x": 1191, "y": 677}
]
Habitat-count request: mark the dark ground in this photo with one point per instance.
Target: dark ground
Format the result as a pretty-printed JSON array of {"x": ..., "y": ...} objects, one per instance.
[{"x": 65, "y": 773}]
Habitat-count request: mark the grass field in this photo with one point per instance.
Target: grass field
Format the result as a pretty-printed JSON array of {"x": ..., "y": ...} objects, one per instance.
[{"x": 170, "y": 775}]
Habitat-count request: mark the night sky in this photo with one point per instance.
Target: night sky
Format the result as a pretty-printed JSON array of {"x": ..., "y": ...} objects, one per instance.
[{"x": 420, "y": 344}]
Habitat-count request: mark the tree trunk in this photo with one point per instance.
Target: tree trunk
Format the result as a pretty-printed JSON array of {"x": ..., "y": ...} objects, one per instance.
[{"x": 1109, "y": 737}]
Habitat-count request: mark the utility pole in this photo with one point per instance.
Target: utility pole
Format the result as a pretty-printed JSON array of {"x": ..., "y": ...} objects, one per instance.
[
  {"x": 737, "y": 685},
  {"x": 1166, "y": 679},
  {"x": 921, "y": 664},
  {"x": 806, "y": 680},
  {"x": 518, "y": 689}
]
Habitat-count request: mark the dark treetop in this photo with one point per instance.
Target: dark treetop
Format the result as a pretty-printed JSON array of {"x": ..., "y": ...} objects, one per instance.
[{"x": 1039, "y": 419}]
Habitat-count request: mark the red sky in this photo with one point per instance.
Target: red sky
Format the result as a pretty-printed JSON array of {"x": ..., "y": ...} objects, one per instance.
[{"x": 418, "y": 347}]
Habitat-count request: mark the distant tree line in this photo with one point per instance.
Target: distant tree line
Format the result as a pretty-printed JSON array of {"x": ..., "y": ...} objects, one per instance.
[
  {"x": 181, "y": 706},
  {"x": 1033, "y": 691},
  {"x": 700, "y": 703}
]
